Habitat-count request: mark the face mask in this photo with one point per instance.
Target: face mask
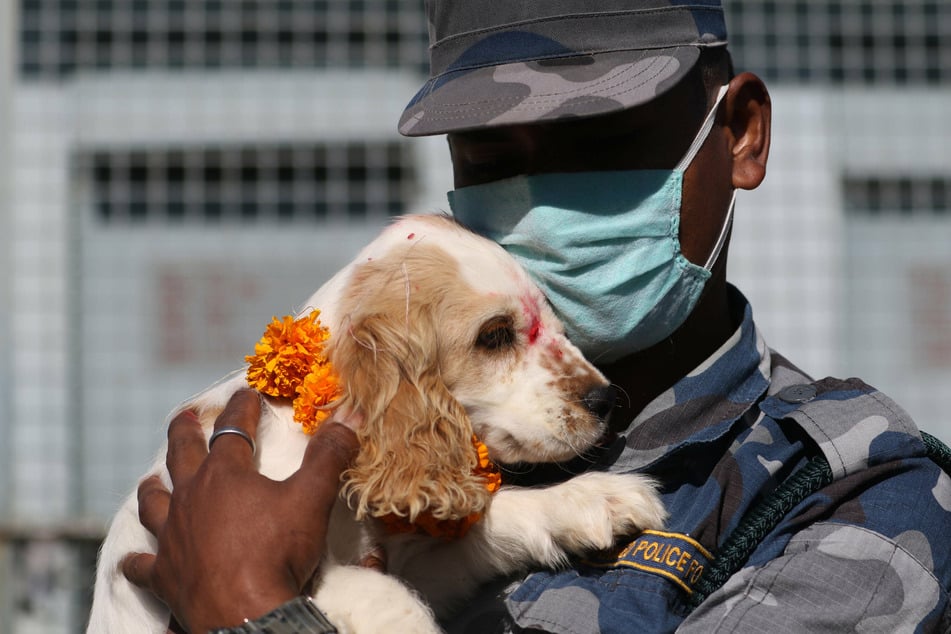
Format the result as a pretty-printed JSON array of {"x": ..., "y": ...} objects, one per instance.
[{"x": 602, "y": 246}]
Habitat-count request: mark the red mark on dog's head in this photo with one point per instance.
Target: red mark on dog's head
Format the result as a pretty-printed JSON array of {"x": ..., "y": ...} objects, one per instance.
[
  {"x": 411, "y": 236},
  {"x": 534, "y": 329},
  {"x": 534, "y": 319}
]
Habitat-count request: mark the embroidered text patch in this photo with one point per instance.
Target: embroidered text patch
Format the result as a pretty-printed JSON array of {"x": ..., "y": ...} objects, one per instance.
[{"x": 674, "y": 556}]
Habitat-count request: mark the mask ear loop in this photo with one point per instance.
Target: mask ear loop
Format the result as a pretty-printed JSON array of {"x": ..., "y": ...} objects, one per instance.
[
  {"x": 724, "y": 230},
  {"x": 703, "y": 133},
  {"x": 685, "y": 162}
]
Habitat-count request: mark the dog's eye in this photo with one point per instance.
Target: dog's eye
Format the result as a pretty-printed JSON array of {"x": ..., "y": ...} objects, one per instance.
[{"x": 497, "y": 333}]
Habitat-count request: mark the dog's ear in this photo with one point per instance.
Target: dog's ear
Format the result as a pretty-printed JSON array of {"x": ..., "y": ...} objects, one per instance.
[{"x": 416, "y": 451}]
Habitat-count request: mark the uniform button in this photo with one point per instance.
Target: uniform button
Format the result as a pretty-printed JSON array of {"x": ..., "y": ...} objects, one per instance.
[{"x": 798, "y": 393}]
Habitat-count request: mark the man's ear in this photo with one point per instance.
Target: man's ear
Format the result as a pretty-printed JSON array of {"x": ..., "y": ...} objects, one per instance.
[{"x": 748, "y": 116}]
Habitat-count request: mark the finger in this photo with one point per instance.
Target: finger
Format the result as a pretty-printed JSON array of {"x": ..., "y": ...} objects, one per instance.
[
  {"x": 242, "y": 412},
  {"x": 186, "y": 447},
  {"x": 137, "y": 568},
  {"x": 154, "y": 499},
  {"x": 329, "y": 452}
]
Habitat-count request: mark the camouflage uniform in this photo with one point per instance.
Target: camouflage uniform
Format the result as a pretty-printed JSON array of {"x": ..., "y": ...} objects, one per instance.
[{"x": 868, "y": 553}]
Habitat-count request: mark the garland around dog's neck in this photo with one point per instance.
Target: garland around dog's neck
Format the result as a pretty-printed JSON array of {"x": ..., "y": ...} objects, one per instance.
[{"x": 289, "y": 362}]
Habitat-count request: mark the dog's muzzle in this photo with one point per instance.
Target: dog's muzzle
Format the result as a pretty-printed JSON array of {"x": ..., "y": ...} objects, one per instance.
[{"x": 601, "y": 401}]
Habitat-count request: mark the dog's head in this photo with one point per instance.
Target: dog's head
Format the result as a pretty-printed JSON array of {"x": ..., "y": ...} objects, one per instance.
[{"x": 442, "y": 335}]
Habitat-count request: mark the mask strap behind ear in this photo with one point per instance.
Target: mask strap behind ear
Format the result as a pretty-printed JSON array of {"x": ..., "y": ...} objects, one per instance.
[
  {"x": 703, "y": 133},
  {"x": 724, "y": 230}
]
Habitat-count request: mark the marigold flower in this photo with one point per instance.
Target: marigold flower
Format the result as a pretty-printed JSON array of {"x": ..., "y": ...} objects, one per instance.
[
  {"x": 289, "y": 362},
  {"x": 485, "y": 468},
  {"x": 314, "y": 394},
  {"x": 286, "y": 353}
]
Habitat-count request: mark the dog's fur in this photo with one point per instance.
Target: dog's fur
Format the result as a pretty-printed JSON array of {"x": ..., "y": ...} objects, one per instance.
[{"x": 436, "y": 334}]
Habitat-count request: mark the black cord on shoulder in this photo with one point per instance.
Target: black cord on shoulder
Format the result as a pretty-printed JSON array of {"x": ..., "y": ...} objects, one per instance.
[
  {"x": 758, "y": 523},
  {"x": 764, "y": 517},
  {"x": 938, "y": 452}
]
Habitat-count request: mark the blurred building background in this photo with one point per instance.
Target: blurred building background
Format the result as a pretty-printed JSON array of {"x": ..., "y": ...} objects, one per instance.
[{"x": 173, "y": 173}]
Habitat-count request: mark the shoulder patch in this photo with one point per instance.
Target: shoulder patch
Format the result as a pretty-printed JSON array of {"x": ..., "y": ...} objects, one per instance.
[{"x": 674, "y": 556}]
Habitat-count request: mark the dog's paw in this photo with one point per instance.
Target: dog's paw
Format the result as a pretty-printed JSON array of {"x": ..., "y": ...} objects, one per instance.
[
  {"x": 594, "y": 509},
  {"x": 531, "y": 527}
]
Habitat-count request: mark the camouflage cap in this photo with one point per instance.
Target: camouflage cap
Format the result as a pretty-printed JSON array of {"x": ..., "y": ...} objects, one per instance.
[{"x": 498, "y": 62}]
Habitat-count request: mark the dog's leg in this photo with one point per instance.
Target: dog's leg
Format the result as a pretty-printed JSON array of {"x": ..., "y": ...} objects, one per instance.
[
  {"x": 533, "y": 528},
  {"x": 363, "y": 601}
]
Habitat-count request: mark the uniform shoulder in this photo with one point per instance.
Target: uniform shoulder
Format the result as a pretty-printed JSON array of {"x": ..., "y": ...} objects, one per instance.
[{"x": 853, "y": 424}]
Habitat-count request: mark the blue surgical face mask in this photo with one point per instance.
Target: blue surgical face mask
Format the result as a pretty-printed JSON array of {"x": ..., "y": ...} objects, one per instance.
[{"x": 604, "y": 247}]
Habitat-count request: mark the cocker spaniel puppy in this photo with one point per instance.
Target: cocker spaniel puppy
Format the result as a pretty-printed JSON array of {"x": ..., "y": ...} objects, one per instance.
[{"x": 437, "y": 337}]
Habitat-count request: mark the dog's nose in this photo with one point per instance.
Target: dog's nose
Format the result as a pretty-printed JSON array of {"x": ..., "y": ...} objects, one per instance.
[{"x": 600, "y": 401}]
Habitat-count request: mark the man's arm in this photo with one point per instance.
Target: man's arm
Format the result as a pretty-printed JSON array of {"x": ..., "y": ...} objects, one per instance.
[
  {"x": 873, "y": 560},
  {"x": 831, "y": 578}
]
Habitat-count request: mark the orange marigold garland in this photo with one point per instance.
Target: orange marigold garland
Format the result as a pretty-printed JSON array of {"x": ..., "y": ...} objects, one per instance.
[
  {"x": 319, "y": 388},
  {"x": 486, "y": 468},
  {"x": 289, "y": 362}
]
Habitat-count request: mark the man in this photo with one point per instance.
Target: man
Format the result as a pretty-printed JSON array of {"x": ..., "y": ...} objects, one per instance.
[{"x": 602, "y": 144}]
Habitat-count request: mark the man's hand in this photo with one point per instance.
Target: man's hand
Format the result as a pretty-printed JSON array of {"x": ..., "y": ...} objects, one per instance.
[{"x": 233, "y": 544}]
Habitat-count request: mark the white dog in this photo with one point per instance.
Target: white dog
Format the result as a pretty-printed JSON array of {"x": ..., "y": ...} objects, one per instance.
[{"x": 436, "y": 335}]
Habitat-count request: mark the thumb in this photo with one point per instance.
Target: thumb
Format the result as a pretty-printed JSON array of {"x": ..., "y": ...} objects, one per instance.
[{"x": 328, "y": 454}]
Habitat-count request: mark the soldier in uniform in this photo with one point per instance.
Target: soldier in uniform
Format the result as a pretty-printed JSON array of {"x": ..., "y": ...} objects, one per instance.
[{"x": 615, "y": 135}]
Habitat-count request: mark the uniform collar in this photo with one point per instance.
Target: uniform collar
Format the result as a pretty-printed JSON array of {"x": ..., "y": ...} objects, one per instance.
[{"x": 703, "y": 405}]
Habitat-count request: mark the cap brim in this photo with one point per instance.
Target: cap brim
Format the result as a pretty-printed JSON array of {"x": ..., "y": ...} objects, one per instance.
[{"x": 536, "y": 91}]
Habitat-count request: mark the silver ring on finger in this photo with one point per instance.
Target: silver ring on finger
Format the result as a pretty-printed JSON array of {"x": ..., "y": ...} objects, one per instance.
[{"x": 237, "y": 431}]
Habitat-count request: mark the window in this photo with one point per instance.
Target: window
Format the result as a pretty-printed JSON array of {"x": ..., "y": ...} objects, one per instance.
[
  {"x": 283, "y": 183},
  {"x": 897, "y": 194},
  {"x": 842, "y": 41},
  {"x": 61, "y": 37}
]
